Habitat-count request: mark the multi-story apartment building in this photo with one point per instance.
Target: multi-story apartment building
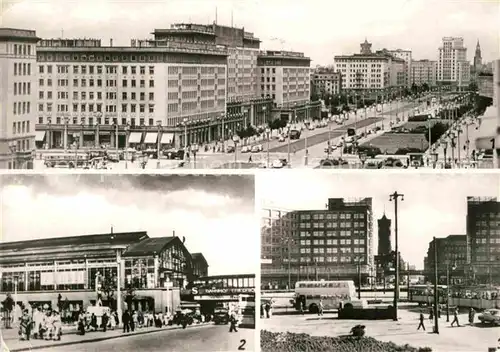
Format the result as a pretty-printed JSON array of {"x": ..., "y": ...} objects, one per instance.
[
  {"x": 423, "y": 71},
  {"x": 368, "y": 72},
  {"x": 333, "y": 243},
  {"x": 452, "y": 65},
  {"x": 285, "y": 77},
  {"x": 18, "y": 96},
  {"x": 326, "y": 83},
  {"x": 90, "y": 95},
  {"x": 406, "y": 55},
  {"x": 483, "y": 239},
  {"x": 451, "y": 259}
]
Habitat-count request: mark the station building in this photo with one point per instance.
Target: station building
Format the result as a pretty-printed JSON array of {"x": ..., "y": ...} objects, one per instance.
[{"x": 151, "y": 271}]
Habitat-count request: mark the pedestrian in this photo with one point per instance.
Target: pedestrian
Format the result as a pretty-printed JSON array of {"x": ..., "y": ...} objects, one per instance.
[
  {"x": 126, "y": 321},
  {"x": 233, "y": 322},
  {"x": 421, "y": 324},
  {"x": 472, "y": 313},
  {"x": 267, "y": 307},
  {"x": 431, "y": 313},
  {"x": 104, "y": 321},
  {"x": 250, "y": 159},
  {"x": 56, "y": 326},
  {"x": 455, "y": 317},
  {"x": 133, "y": 321},
  {"x": 81, "y": 323},
  {"x": 320, "y": 308},
  {"x": 25, "y": 326},
  {"x": 262, "y": 310}
]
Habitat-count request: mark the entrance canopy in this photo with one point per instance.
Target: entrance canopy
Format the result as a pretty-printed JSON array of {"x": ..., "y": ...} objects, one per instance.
[
  {"x": 167, "y": 138},
  {"x": 151, "y": 138},
  {"x": 40, "y": 136},
  {"x": 135, "y": 137}
]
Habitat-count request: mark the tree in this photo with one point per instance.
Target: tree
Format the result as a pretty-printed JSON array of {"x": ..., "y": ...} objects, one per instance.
[
  {"x": 473, "y": 87},
  {"x": 108, "y": 288},
  {"x": 425, "y": 87},
  {"x": 437, "y": 130},
  {"x": 129, "y": 293},
  {"x": 414, "y": 88}
]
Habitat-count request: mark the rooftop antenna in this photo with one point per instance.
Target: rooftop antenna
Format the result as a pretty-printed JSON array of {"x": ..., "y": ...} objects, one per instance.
[
  {"x": 62, "y": 33},
  {"x": 111, "y": 228},
  {"x": 215, "y": 14}
]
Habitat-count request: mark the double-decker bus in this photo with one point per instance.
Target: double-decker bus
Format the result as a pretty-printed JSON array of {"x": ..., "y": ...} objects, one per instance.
[
  {"x": 246, "y": 310},
  {"x": 333, "y": 294},
  {"x": 424, "y": 294}
]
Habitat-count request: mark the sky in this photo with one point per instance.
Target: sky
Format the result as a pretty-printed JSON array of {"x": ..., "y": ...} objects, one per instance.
[
  {"x": 320, "y": 28},
  {"x": 434, "y": 204},
  {"x": 216, "y": 214}
]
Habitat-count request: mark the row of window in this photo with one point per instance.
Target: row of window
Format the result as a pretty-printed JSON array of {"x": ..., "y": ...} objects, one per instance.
[
  {"x": 23, "y": 49},
  {"x": 97, "y": 83},
  {"x": 342, "y": 242},
  {"x": 22, "y": 88},
  {"x": 329, "y": 259},
  {"x": 22, "y": 69},
  {"x": 333, "y": 250},
  {"x": 96, "y": 95},
  {"x": 97, "y": 108},
  {"x": 21, "y": 108},
  {"x": 84, "y": 69},
  {"x": 332, "y": 216},
  {"x": 343, "y": 224},
  {"x": 21, "y": 127}
]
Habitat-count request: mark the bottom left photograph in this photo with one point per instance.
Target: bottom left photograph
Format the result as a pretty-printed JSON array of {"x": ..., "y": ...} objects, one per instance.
[{"x": 128, "y": 262}]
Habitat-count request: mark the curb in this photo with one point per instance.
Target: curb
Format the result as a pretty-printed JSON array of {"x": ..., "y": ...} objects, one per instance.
[{"x": 104, "y": 338}]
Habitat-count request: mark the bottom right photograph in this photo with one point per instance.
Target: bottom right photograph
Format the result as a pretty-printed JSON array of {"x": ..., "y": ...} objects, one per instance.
[{"x": 379, "y": 262}]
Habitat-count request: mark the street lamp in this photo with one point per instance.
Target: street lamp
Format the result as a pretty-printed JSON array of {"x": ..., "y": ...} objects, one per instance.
[
  {"x": 49, "y": 137},
  {"x": 194, "y": 149},
  {"x": 127, "y": 131},
  {"x": 288, "y": 127},
  {"x": 65, "y": 140},
  {"x": 306, "y": 123},
  {"x": 445, "y": 150},
  {"x": 448, "y": 291},
  {"x": 184, "y": 122},
  {"x": 358, "y": 266},
  {"x": 268, "y": 133},
  {"x": 453, "y": 145},
  {"x": 459, "y": 131},
  {"x": 236, "y": 139},
  {"x": 395, "y": 197},
  {"x": 158, "y": 147},
  {"x": 434, "y": 160}
]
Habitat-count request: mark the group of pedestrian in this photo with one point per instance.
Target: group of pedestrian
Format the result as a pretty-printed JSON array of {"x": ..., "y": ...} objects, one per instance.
[
  {"x": 265, "y": 310},
  {"x": 40, "y": 323},
  {"x": 454, "y": 322}
]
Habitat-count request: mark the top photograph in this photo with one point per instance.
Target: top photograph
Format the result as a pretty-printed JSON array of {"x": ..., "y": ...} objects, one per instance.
[{"x": 104, "y": 85}]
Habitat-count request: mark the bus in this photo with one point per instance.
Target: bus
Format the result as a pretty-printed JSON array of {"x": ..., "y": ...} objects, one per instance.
[
  {"x": 424, "y": 294},
  {"x": 246, "y": 310},
  {"x": 70, "y": 160},
  {"x": 334, "y": 295}
]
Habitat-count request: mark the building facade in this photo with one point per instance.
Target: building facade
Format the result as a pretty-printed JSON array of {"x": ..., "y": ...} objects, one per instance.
[
  {"x": 151, "y": 270},
  {"x": 384, "y": 235},
  {"x": 92, "y": 95},
  {"x": 405, "y": 55},
  {"x": 326, "y": 83},
  {"x": 451, "y": 259},
  {"x": 18, "y": 112},
  {"x": 368, "y": 72},
  {"x": 452, "y": 65},
  {"x": 333, "y": 243},
  {"x": 423, "y": 72},
  {"x": 483, "y": 239}
]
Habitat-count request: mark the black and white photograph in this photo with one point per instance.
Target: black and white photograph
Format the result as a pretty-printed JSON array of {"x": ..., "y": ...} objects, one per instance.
[
  {"x": 128, "y": 263},
  {"x": 370, "y": 262},
  {"x": 240, "y": 84}
]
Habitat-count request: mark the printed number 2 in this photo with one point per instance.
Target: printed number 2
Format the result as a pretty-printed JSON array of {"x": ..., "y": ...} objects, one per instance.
[{"x": 242, "y": 346}]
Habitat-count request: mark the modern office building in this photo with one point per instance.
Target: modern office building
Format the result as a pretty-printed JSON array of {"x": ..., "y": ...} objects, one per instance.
[
  {"x": 333, "y": 243},
  {"x": 452, "y": 65},
  {"x": 77, "y": 267},
  {"x": 423, "y": 71},
  {"x": 451, "y": 258},
  {"x": 371, "y": 73},
  {"x": 483, "y": 239},
  {"x": 93, "y": 95},
  {"x": 326, "y": 83},
  {"x": 18, "y": 80}
]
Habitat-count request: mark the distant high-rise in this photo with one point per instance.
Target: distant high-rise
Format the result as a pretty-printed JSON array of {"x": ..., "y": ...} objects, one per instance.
[
  {"x": 453, "y": 67},
  {"x": 384, "y": 235},
  {"x": 478, "y": 60}
]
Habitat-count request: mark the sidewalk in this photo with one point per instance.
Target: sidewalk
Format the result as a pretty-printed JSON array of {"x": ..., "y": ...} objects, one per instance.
[{"x": 71, "y": 338}]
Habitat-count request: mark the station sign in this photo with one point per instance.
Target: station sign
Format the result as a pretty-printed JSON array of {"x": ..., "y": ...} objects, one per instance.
[{"x": 221, "y": 291}]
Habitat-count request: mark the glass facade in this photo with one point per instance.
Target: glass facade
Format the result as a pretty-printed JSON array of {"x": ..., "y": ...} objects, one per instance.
[
  {"x": 139, "y": 273},
  {"x": 226, "y": 282},
  {"x": 174, "y": 265}
]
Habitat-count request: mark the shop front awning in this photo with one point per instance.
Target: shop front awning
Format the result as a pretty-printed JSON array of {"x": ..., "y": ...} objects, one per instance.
[
  {"x": 151, "y": 138},
  {"x": 40, "y": 136},
  {"x": 135, "y": 137},
  {"x": 167, "y": 138}
]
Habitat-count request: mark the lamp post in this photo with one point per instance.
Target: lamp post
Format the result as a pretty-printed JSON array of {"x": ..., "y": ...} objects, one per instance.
[
  {"x": 306, "y": 156},
  {"x": 453, "y": 145},
  {"x": 158, "y": 147},
  {"x": 436, "y": 297},
  {"x": 184, "y": 122},
  {"x": 264, "y": 121},
  {"x": 288, "y": 127},
  {"x": 359, "y": 277},
  {"x": 395, "y": 197},
  {"x": 49, "y": 137},
  {"x": 116, "y": 139},
  {"x": 65, "y": 139},
  {"x": 445, "y": 150},
  {"x": 236, "y": 139},
  {"x": 329, "y": 144},
  {"x": 194, "y": 149},
  {"x": 434, "y": 160},
  {"x": 459, "y": 131},
  {"x": 268, "y": 134},
  {"x": 127, "y": 130}
]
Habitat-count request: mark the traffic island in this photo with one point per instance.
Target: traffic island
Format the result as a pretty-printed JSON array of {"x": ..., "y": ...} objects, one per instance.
[
  {"x": 290, "y": 342},
  {"x": 17, "y": 345}
]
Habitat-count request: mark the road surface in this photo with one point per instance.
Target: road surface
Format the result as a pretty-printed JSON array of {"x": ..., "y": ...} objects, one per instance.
[
  {"x": 404, "y": 331},
  {"x": 208, "y": 338}
]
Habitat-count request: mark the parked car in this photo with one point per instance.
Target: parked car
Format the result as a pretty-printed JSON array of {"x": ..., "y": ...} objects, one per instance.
[
  {"x": 490, "y": 316},
  {"x": 277, "y": 164},
  {"x": 257, "y": 148},
  {"x": 332, "y": 148},
  {"x": 281, "y": 138},
  {"x": 230, "y": 149},
  {"x": 245, "y": 149}
]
